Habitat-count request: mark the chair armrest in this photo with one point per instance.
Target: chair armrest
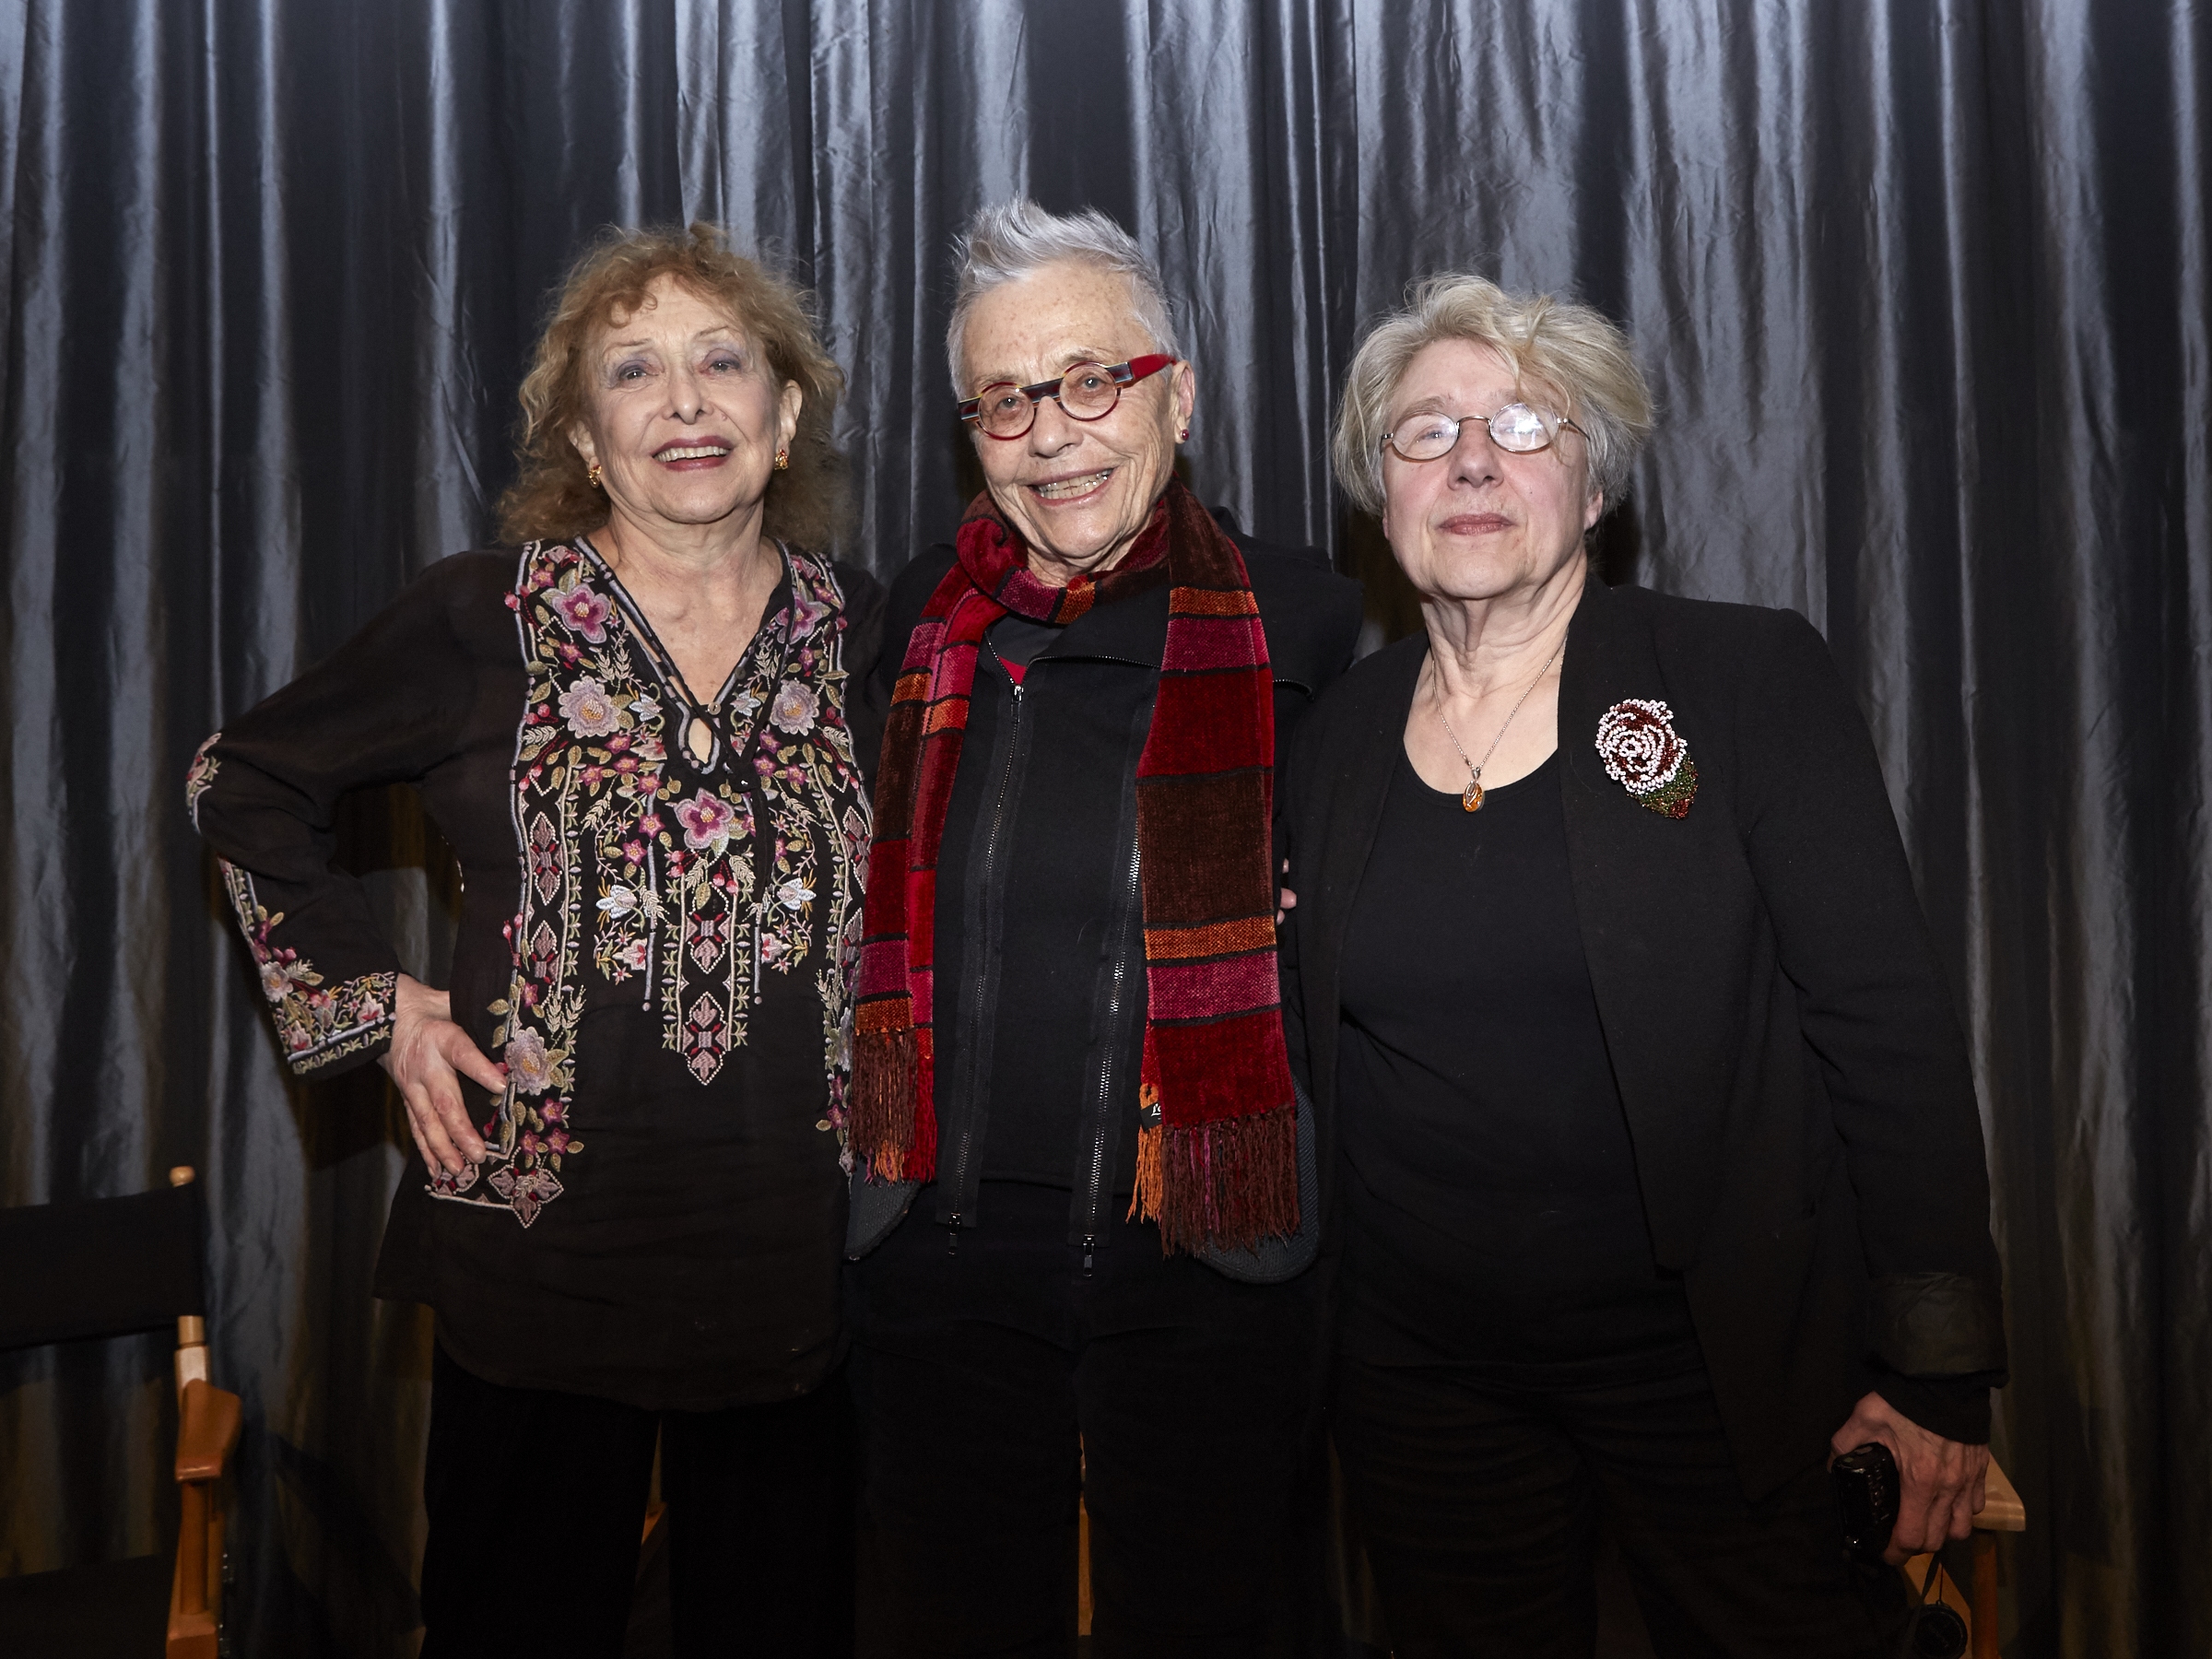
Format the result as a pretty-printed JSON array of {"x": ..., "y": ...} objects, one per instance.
[
  {"x": 207, "y": 1430},
  {"x": 2002, "y": 1509}
]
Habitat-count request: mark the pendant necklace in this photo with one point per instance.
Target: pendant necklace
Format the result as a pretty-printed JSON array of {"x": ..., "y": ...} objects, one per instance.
[{"x": 1470, "y": 798}]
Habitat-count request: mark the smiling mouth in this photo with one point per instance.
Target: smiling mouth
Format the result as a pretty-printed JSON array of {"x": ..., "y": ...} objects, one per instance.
[
  {"x": 691, "y": 452},
  {"x": 1068, "y": 489}
]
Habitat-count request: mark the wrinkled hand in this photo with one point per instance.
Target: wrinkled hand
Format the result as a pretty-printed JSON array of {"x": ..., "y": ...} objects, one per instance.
[
  {"x": 1289, "y": 899},
  {"x": 1940, "y": 1482},
  {"x": 428, "y": 1051}
]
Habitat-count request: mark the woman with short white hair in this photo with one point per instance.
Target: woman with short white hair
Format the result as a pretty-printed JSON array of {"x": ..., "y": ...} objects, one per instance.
[
  {"x": 1658, "y": 1150},
  {"x": 1084, "y": 1244}
]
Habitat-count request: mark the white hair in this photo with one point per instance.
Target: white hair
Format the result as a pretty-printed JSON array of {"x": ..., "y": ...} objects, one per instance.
[
  {"x": 1007, "y": 241},
  {"x": 1574, "y": 353}
]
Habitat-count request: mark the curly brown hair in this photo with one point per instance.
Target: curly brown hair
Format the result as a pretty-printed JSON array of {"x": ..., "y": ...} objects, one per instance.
[{"x": 552, "y": 499}]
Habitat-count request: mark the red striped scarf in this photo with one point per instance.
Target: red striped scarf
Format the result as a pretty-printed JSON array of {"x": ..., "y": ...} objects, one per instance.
[{"x": 1216, "y": 1160}]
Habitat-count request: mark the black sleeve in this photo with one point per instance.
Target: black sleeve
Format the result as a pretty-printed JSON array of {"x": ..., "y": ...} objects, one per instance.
[
  {"x": 868, "y": 697},
  {"x": 1289, "y": 816},
  {"x": 1312, "y": 620},
  {"x": 386, "y": 707},
  {"x": 1956, "y": 1407},
  {"x": 1876, "y": 1012},
  {"x": 910, "y": 592},
  {"x": 1326, "y": 647}
]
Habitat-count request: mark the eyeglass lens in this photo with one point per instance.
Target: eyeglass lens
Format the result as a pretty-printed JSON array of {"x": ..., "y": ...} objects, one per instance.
[
  {"x": 1085, "y": 392},
  {"x": 1516, "y": 427}
]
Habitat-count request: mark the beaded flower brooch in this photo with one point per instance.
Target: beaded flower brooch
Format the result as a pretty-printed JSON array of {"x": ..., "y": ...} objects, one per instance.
[{"x": 1646, "y": 756}]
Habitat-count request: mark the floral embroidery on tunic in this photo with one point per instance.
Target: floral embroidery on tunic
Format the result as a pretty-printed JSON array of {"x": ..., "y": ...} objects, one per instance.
[
  {"x": 197, "y": 779},
  {"x": 678, "y": 882},
  {"x": 317, "y": 1024}
]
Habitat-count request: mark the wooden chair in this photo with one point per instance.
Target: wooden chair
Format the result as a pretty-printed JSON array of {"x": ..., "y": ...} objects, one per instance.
[
  {"x": 2001, "y": 1511},
  {"x": 111, "y": 1267}
]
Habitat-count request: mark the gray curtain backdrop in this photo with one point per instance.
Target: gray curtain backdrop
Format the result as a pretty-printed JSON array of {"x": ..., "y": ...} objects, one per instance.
[{"x": 1922, "y": 284}]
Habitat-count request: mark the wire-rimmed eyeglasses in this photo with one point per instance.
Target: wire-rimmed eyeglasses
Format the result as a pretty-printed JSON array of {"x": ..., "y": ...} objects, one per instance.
[
  {"x": 1087, "y": 392},
  {"x": 1517, "y": 428}
]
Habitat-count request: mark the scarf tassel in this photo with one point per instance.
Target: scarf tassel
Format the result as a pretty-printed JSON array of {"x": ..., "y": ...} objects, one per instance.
[
  {"x": 1228, "y": 1183},
  {"x": 891, "y": 1118}
]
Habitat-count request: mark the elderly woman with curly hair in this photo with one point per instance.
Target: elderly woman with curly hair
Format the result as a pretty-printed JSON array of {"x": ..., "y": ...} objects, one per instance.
[
  {"x": 635, "y": 727},
  {"x": 1659, "y": 1163}
]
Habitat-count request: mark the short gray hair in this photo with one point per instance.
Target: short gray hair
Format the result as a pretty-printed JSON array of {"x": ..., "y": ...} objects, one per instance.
[
  {"x": 1574, "y": 353},
  {"x": 1008, "y": 240}
]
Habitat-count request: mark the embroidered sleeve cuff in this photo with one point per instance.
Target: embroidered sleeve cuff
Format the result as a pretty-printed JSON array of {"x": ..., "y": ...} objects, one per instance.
[
  {"x": 324, "y": 1023},
  {"x": 1935, "y": 1324},
  {"x": 346, "y": 1022}
]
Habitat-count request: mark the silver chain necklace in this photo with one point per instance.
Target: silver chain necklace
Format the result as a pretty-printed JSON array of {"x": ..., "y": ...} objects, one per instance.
[{"x": 1471, "y": 796}]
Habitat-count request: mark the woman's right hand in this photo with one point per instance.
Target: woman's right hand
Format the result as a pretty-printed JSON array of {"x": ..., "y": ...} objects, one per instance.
[{"x": 428, "y": 1054}]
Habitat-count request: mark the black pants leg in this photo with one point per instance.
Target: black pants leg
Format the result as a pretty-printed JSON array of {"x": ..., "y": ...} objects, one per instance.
[
  {"x": 1480, "y": 1508},
  {"x": 760, "y": 1527},
  {"x": 1193, "y": 1397},
  {"x": 1198, "y": 1406},
  {"x": 970, "y": 1476},
  {"x": 536, "y": 1503},
  {"x": 537, "y": 1500}
]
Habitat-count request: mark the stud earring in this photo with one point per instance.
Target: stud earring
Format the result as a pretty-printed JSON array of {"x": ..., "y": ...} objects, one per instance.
[
  {"x": 592, "y": 476},
  {"x": 782, "y": 460}
]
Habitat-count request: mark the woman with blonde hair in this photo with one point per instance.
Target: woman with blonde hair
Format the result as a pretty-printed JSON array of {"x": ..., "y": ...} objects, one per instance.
[
  {"x": 1658, "y": 1157},
  {"x": 634, "y": 726}
]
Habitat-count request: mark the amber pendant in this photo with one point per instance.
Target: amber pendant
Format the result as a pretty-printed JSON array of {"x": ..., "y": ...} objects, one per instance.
[
  {"x": 1471, "y": 796},
  {"x": 699, "y": 739}
]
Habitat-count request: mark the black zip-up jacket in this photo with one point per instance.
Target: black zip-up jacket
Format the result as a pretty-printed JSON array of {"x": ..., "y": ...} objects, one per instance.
[{"x": 1041, "y": 995}]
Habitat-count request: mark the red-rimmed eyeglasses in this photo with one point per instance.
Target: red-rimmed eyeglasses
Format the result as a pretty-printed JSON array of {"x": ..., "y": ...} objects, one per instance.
[{"x": 1087, "y": 392}]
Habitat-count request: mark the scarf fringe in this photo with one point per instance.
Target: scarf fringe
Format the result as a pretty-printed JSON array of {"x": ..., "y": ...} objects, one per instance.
[
  {"x": 1228, "y": 1183},
  {"x": 890, "y": 1123}
]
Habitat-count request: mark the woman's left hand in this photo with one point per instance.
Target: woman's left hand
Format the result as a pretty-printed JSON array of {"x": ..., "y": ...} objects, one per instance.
[{"x": 1940, "y": 1481}]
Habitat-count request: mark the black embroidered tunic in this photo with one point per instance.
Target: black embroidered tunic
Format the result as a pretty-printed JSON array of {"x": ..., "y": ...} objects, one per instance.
[{"x": 656, "y": 943}]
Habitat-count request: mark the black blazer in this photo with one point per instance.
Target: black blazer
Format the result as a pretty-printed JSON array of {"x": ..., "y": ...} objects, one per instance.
[{"x": 1796, "y": 1084}]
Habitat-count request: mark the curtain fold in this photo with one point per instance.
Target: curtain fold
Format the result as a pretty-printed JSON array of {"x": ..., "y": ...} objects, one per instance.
[{"x": 1922, "y": 284}]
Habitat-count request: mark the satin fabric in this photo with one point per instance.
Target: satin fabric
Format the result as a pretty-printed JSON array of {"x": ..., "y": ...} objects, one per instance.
[{"x": 1922, "y": 284}]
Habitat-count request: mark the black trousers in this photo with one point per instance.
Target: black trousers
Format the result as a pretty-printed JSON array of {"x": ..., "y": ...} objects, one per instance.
[
  {"x": 1195, "y": 1399},
  {"x": 536, "y": 1502},
  {"x": 1481, "y": 1505}
]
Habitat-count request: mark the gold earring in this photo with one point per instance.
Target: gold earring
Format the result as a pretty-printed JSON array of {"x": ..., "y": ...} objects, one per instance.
[
  {"x": 592, "y": 476},
  {"x": 782, "y": 460}
]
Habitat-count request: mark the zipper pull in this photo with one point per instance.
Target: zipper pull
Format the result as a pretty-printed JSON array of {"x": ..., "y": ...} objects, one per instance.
[
  {"x": 1088, "y": 1244},
  {"x": 1006, "y": 668},
  {"x": 952, "y": 1237}
]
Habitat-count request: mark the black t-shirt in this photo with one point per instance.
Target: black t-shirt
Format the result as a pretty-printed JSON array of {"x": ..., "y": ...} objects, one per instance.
[{"x": 1494, "y": 1215}]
